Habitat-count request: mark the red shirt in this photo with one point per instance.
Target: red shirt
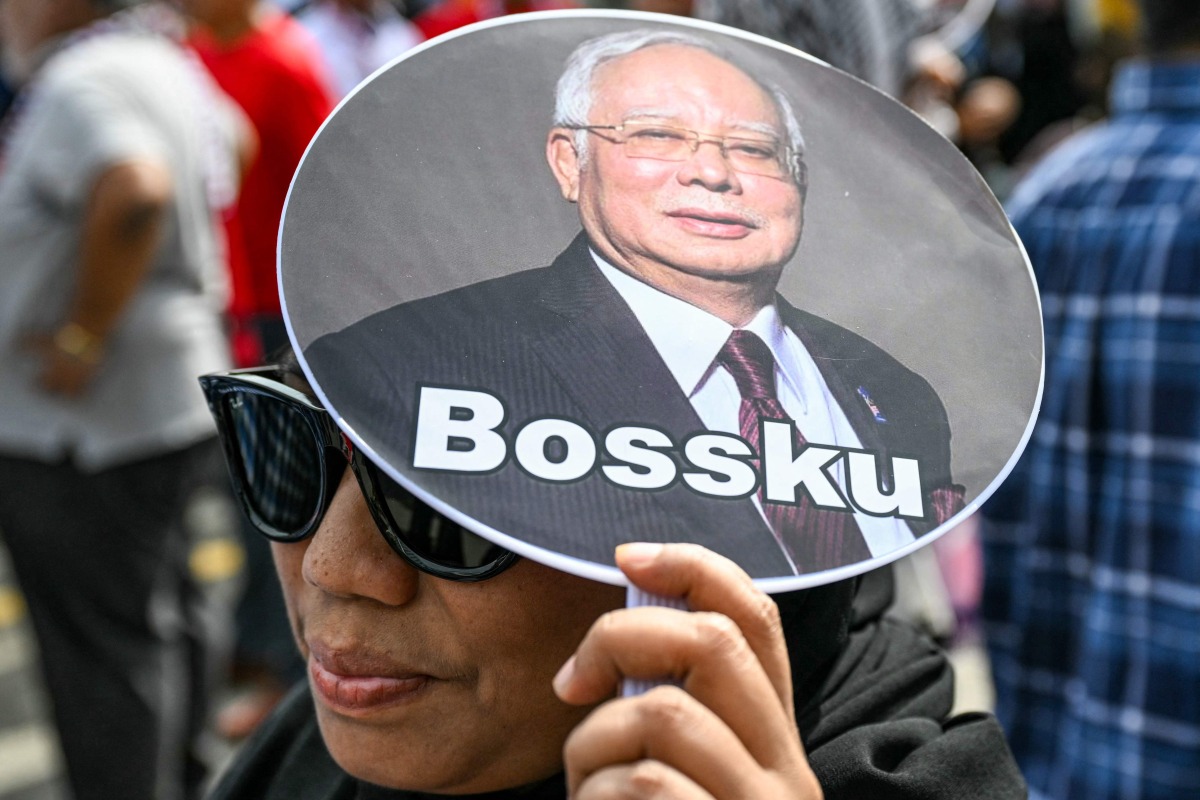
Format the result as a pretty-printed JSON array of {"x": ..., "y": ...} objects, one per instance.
[
  {"x": 276, "y": 75},
  {"x": 452, "y": 14}
]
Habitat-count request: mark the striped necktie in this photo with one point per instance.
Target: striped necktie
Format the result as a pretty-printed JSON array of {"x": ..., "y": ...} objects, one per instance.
[{"x": 814, "y": 537}]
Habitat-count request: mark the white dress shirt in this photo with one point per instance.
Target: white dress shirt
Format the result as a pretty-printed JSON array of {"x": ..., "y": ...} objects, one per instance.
[{"x": 689, "y": 339}]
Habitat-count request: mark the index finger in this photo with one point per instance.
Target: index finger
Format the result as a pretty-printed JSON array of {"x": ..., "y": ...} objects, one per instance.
[{"x": 711, "y": 582}]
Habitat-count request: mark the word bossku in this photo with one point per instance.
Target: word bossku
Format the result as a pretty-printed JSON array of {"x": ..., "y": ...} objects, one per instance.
[{"x": 457, "y": 432}]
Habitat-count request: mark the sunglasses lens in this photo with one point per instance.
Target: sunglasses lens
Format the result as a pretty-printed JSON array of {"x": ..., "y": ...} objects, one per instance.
[
  {"x": 432, "y": 536},
  {"x": 280, "y": 461}
]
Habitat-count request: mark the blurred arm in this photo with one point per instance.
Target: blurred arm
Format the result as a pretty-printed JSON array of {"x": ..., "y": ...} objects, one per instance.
[{"x": 122, "y": 226}]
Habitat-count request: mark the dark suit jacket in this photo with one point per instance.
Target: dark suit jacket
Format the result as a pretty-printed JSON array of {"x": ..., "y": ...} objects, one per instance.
[{"x": 560, "y": 342}]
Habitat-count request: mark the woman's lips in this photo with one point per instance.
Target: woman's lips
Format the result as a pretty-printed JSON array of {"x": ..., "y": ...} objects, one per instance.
[{"x": 360, "y": 694}]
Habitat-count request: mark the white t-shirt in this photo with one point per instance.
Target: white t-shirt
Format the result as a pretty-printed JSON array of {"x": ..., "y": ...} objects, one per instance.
[{"x": 109, "y": 99}]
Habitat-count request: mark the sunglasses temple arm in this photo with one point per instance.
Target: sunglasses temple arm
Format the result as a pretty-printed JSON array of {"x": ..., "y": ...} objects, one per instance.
[{"x": 635, "y": 598}]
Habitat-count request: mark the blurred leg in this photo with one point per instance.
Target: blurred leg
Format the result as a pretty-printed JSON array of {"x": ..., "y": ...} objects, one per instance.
[{"x": 102, "y": 560}]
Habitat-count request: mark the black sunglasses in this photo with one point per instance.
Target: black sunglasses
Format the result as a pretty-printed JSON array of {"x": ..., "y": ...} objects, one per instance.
[{"x": 286, "y": 457}]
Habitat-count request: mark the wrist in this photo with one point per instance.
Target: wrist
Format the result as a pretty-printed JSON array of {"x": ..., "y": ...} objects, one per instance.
[{"x": 77, "y": 342}]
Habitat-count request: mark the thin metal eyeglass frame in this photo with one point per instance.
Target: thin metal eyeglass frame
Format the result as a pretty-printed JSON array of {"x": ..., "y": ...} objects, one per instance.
[{"x": 786, "y": 161}]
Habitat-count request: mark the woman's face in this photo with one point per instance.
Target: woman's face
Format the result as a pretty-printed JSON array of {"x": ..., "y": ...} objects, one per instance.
[{"x": 427, "y": 684}]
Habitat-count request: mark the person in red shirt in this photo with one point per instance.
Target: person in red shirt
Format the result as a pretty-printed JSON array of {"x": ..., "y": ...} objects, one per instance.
[
  {"x": 272, "y": 68},
  {"x": 452, "y": 14}
]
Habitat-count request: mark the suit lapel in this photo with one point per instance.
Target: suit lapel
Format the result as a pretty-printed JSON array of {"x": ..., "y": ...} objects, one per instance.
[
  {"x": 832, "y": 361},
  {"x": 604, "y": 360}
]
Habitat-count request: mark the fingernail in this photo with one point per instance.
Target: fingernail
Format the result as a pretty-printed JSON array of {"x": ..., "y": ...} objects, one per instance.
[
  {"x": 637, "y": 554},
  {"x": 563, "y": 678}
]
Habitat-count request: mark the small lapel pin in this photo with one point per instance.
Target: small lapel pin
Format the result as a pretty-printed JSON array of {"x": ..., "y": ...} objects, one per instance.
[{"x": 875, "y": 412}]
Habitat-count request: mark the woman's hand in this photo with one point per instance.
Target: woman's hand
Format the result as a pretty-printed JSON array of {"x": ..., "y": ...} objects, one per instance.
[{"x": 726, "y": 730}]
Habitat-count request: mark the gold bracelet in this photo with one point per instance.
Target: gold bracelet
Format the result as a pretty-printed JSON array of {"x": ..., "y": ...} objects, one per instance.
[{"x": 79, "y": 343}]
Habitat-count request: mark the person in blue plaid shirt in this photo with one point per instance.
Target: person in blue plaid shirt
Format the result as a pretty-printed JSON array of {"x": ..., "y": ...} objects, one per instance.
[{"x": 1092, "y": 597}]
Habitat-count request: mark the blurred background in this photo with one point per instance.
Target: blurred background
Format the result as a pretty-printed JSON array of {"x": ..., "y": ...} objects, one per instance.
[{"x": 1008, "y": 81}]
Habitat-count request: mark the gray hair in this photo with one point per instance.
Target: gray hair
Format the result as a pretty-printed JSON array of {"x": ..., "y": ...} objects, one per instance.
[{"x": 573, "y": 96}]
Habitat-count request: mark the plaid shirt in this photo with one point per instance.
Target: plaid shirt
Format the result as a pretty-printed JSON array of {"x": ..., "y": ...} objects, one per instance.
[{"x": 1092, "y": 597}]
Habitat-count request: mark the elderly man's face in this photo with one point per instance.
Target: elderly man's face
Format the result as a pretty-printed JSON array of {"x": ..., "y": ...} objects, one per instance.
[
  {"x": 699, "y": 216},
  {"x": 427, "y": 684}
]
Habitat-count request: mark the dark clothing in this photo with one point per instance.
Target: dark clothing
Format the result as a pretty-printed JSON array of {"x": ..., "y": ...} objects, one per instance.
[
  {"x": 102, "y": 559},
  {"x": 1093, "y": 543},
  {"x": 872, "y": 694},
  {"x": 867, "y": 38},
  {"x": 560, "y": 342}
]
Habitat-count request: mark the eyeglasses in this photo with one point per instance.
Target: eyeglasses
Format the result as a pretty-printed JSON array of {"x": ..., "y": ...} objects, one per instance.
[
  {"x": 753, "y": 155},
  {"x": 286, "y": 457}
]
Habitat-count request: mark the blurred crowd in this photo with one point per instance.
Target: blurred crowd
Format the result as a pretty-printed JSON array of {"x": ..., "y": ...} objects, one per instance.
[{"x": 137, "y": 251}]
